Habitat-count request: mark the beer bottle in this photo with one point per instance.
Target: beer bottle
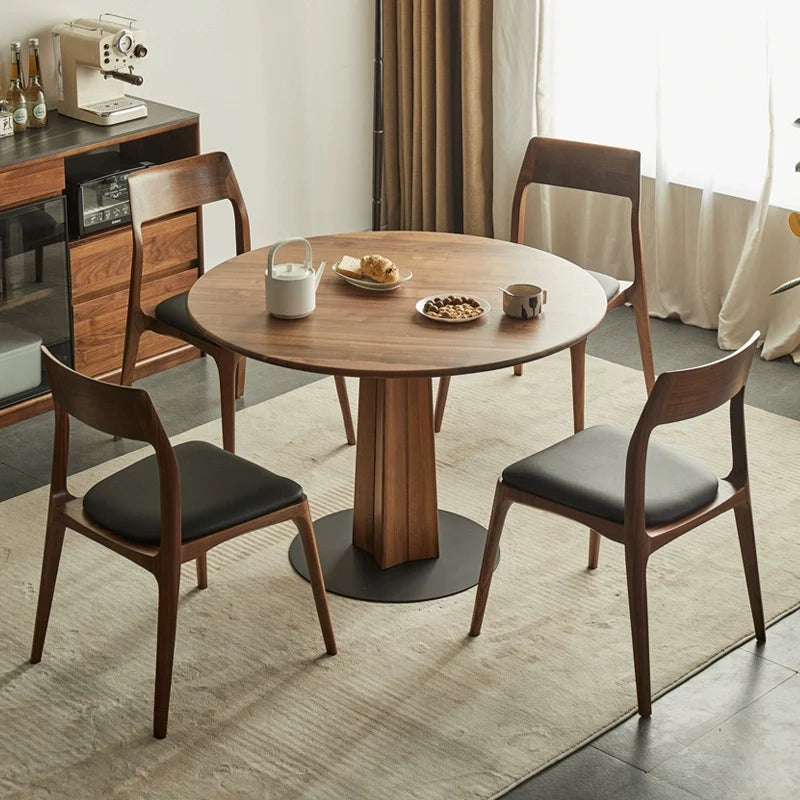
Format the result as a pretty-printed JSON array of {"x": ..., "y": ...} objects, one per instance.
[
  {"x": 15, "y": 96},
  {"x": 34, "y": 93}
]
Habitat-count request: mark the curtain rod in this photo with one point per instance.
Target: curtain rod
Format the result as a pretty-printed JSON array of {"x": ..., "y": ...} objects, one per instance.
[{"x": 377, "y": 120}]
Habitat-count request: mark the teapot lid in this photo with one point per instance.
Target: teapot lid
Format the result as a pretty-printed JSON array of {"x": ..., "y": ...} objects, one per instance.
[{"x": 291, "y": 272}]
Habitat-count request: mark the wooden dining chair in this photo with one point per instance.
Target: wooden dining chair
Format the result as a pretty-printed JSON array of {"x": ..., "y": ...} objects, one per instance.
[
  {"x": 640, "y": 493},
  {"x": 593, "y": 168},
  {"x": 167, "y": 189},
  {"x": 166, "y": 509}
]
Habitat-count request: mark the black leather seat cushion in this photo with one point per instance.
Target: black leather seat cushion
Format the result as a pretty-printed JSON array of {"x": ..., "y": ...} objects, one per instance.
[
  {"x": 175, "y": 311},
  {"x": 587, "y": 472},
  {"x": 610, "y": 285},
  {"x": 218, "y": 490}
]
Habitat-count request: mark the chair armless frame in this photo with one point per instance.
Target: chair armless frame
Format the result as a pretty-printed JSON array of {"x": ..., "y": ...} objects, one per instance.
[
  {"x": 129, "y": 413},
  {"x": 676, "y": 396},
  {"x": 594, "y": 168}
]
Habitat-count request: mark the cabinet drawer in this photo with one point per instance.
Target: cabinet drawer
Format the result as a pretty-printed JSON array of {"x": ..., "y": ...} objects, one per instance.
[
  {"x": 102, "y": 264},
  {"x": 99, "y": 325},
  {"x": 31, "y": 182}
]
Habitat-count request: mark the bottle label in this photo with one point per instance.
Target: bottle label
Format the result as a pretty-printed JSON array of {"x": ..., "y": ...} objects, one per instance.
[
  {"x": 6, "y": 123},
  {"x": 21, "y": 115},
  {"x": 39, "y": 111}
]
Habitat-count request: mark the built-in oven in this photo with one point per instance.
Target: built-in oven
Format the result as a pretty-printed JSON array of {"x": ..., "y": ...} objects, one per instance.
[{"x": 34, "y": 296}]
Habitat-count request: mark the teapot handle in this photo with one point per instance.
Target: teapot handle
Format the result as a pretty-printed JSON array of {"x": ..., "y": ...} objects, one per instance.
[{"x": 271, "y": 254}]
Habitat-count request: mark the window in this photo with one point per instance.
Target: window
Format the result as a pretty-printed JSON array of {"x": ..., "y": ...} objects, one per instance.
[{"x": 706, "y": 90}]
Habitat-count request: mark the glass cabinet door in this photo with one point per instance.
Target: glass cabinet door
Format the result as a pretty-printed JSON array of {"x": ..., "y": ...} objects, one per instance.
[{"x": 34, "y": 296}]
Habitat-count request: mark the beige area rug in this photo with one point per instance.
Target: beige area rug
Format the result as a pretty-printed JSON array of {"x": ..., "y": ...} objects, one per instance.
[{"x": 411, "y": 707}]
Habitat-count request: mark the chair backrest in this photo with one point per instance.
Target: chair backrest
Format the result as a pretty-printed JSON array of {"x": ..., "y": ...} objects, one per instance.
[
  {"x": 117, "y": 410},
  {"x": 580, "y": 165},
  {"x": 686, "y": 393},
  {"x": 178, "y": 186}
]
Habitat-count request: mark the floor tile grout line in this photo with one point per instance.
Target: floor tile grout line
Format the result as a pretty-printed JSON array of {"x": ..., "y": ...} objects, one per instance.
[
  {"x": 22, "y": 472},
  {"x": 722, "y": 721},
  {"x": 776, "y": 663}
]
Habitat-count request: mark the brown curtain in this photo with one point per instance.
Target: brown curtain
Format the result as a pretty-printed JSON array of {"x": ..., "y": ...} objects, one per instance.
[{"x": 437, "y": 62}]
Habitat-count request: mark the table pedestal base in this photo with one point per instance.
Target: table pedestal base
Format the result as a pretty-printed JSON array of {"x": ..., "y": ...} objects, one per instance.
[{"x": 353, "y": 573}]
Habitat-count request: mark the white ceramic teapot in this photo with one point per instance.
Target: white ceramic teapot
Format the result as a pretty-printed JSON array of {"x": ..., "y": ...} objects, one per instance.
[{"x": 291, "y": 288}]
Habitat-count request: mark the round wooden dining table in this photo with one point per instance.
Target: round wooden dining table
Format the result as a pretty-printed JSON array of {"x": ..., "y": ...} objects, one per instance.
[{"x": 395, "y": 544}]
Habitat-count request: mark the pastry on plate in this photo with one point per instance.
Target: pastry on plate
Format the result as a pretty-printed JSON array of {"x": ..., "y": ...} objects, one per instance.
[{"x": 380, "y": 269}]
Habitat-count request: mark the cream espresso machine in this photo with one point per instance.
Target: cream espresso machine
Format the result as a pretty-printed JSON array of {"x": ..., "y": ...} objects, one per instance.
[{"x": 91, "y": 56}]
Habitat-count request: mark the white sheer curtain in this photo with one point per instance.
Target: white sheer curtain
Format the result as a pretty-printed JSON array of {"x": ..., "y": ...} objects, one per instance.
[{"x": 707, "y": 91}]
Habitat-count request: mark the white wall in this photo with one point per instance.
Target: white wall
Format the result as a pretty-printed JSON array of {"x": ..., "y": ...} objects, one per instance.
[{"x": 283, "y": 86}]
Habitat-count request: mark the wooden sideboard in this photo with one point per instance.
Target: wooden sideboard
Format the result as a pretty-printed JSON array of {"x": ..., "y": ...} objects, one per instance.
[{"x": 32, "y": 168}]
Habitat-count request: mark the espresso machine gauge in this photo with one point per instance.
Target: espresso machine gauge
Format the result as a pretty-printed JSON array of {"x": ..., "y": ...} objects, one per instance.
[{"x": 123, "y": 42}]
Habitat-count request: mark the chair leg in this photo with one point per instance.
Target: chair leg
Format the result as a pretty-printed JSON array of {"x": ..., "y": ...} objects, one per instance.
[
  {"x": 132, "y": 337},
  {"x": 201, "y": 564},
  {"x": 240, "y": 371},
  {"x": 53, "y": 542},
  {"x": 441, "y": 399},
  {"x": 642, "y": 318},
  {"x": 39, "y": 263},
  {"x": 518, "y": 369},
  {"x": 747, "y": 544},
  {"x": 344, "y": 404},
  {"x": 306, "y": 529},
  {"x": 577, "y": 357},
  {"x": 594, "y": 549},
  {"x": 165, "y": 649},
  {"x": 636, "y": 571},
  {"x": 226, "y": 366},
  {"x": 500, "y": 506}
]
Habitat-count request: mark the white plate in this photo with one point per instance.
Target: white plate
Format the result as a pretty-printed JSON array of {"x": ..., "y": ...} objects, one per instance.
[
  {"x": 421, "y": 305},
  {"x": 374, "y": 286}
]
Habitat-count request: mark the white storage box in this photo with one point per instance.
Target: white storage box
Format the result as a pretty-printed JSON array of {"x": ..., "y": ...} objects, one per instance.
[{"x": 20, "y": 360}]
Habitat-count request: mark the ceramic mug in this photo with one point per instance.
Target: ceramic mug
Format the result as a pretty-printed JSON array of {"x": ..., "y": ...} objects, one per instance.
[{"x": 523, "y": 300}]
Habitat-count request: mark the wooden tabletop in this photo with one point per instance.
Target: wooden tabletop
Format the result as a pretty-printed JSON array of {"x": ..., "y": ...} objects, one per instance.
[{"x": 357, "y": 332}]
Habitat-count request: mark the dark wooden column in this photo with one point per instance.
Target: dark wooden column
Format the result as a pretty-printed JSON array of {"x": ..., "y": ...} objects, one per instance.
[{"x": 395, "y": 515}]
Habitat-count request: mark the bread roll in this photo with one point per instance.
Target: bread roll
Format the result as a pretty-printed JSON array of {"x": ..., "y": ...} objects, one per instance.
[{"x": 380, "y": 269}]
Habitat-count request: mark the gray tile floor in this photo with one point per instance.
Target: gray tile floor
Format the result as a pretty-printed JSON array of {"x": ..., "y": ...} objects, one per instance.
[{"x": 732, "y": 731}]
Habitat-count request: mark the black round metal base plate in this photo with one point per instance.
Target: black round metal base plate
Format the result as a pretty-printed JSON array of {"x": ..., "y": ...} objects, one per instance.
[{"x": 351, "y": 572}]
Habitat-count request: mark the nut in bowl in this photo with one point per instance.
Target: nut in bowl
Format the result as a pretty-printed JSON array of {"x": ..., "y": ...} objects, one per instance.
[
  {"x": 452, "y": 307},
  {"x": 523, "y": 300}
]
